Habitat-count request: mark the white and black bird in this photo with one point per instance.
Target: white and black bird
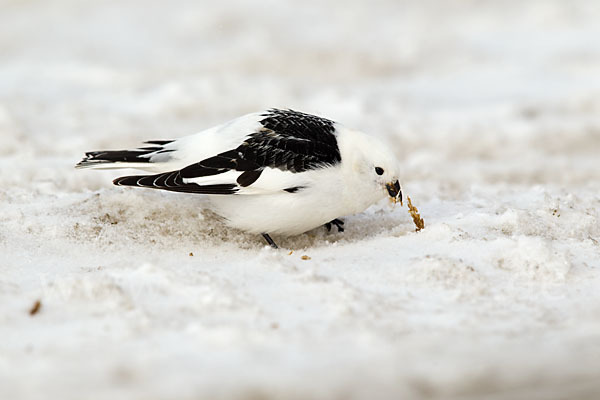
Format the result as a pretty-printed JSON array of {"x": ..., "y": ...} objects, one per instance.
[{"x": 274, "y": 172}]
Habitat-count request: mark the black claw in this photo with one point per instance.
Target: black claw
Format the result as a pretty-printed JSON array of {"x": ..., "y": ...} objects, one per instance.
[
  {"x": 338, "y": 224},
  {"x": 270, "y": 241}
]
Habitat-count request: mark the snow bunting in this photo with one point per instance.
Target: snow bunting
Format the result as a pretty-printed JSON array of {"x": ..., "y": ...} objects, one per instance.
[{"x": 275, "y": 172}]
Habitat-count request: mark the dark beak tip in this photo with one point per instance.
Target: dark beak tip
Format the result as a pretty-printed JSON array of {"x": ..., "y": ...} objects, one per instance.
[
  {"x": 395, "y": 186},
  {"x": 394, "y": 190}
]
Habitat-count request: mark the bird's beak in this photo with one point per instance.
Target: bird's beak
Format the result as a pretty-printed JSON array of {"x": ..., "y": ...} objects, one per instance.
[{"x": 394, "y": 191}]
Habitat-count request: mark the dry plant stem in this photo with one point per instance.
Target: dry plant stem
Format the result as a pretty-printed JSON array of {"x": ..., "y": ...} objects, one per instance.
[{"x": 414, "y": 213}]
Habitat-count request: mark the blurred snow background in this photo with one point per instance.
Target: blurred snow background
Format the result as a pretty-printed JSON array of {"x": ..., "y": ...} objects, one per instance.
[{"x": 494, "y": 108}]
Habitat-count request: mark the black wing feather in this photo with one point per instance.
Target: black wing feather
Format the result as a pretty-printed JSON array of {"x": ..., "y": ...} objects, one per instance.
[
  {"x": 247, "y": 178},
  {"x": 293, "y": 141},
  {"x": 198, "y": 170},
  {"x": 288, "y": 140},
  {"x": 172, "y": 181}
]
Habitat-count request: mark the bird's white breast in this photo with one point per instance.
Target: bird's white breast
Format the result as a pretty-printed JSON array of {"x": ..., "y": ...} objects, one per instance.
[{"x": 280, "y": 212}]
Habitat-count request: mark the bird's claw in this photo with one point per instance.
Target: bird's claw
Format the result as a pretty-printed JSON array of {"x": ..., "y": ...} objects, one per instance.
[
  {"x": 337, "y": 222},
  {"x": 270, "y": 241}
]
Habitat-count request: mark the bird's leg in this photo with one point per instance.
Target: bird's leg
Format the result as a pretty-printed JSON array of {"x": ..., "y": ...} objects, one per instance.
[
  {"x": 337, "y": 222},
  {"x": 269, "y": 240}
]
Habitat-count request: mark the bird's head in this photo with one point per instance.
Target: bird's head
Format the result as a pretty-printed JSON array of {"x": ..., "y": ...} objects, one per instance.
[{"x": 373, "y": 165}]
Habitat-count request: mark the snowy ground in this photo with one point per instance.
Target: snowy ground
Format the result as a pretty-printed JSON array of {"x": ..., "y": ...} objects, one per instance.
[{"x": 494, "y": 108}]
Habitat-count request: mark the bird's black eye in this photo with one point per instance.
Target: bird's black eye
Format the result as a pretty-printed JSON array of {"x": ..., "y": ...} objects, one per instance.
[{"x": 379, "y": 171}]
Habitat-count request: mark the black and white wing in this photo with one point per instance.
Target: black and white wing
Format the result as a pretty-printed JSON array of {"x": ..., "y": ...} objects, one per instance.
[{"x": 283, "y": 145}]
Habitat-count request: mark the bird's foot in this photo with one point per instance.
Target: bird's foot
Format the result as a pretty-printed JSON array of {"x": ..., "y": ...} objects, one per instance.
[
  {"x": 337, "y": 222},
  {"x": 270, "y": 241}
]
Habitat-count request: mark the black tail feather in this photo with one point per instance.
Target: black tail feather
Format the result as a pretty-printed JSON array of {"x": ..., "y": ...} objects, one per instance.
[
  {"x": 121, "y": 155},
  {"x": 115, "y": 156},
  {"x": 140, "y": 155},
  {"x": 159, "y": 142}
]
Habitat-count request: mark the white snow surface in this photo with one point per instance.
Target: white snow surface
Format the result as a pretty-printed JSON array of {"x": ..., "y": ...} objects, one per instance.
[{"x": 493, "y": 108}]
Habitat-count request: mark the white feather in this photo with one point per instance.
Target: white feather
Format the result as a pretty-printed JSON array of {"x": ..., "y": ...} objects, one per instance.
[{"x": 210, "y": 142}]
